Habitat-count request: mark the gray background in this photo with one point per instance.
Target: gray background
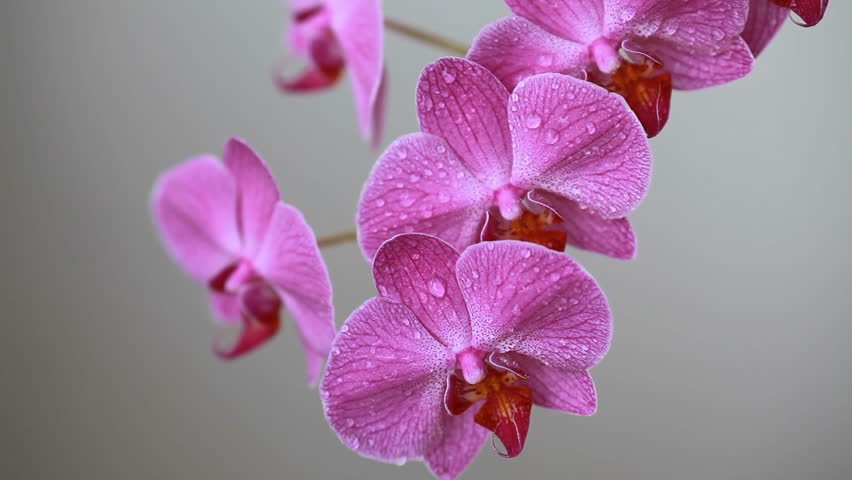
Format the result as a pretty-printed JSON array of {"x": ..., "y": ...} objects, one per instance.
[{"x": 731, "y": 353}]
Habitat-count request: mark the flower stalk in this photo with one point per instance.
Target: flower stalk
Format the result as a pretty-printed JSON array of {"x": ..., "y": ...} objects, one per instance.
[
  {"x": 337, "y": 238},
  {"x": 426, "y": 36}
]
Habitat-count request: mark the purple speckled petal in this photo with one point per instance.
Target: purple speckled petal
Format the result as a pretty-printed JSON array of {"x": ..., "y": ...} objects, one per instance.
[
  {"x": 531, "y": 300},
  {"x": 359, "y": 27},
  {"x": 577, "y": 20},
  {"x": 557, "y": 388},
  {"x": 419, "y": 271},
  {"x": 589, "y": 148},
  {"x": 384, "y": 385},
  {"x": 462, "y": 440},
  {"x": 290, "y": 260},
  {"x": 691, "y": 71},
  {"x": 257, "y": 192},
  {"x": 613, "y": 237},
  {"x": 465, "y": 104},
  {"x": 515, "y": 48},
  {"x": 420, "y": 185},
  {"x": 702, "y": 26},
  {"x": 764, "y": 21},
  {"x": 194, "y": 207}
]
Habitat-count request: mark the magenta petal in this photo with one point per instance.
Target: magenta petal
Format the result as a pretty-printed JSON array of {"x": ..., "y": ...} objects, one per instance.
[
  {"x": 613, "y": 237},
  {"x": 194, "y": 207},
  {"x": 692, "y": 71},
  {"x": 462, "y": 440},
  {"x": 419, "y": 271},
  {"x": 531, "y": 300},
  {"x": 465, "y": 104},
  {"x": 312, "y": 78},
  {"x": 578, "y": 20},
  {"x": 703, "y": 26},
  {"x": 420, "y": 185},
  {"x": 589, "y": 148},
  {"x": 256, "y": 190},
  {"x": 290, "y": 260},
  {"x": 765, "y": 19},
  {"x": 562, "y": 389},
  {"x": 383, "y": 388},
  {"x": 515, "y": 48},
  {"x": 358, "y": 25}
]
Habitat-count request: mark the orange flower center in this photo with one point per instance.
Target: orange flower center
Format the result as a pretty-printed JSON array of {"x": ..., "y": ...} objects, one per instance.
[
  {"x": 531, "y": 227},
  {"x": 646, "y": 88},
  {"x": 506, "y": 410}
]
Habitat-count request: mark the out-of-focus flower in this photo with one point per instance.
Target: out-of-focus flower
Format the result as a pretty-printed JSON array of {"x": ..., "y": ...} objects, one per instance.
[
  {"x": 336, "y": 34},
  {"x": 559, "y": 161},
  {"x": 640, "y": 49},
  {"x": 765, "y": 18},
  {"x": 227, "y": 227},
  {"x": 457, "y": 345}
]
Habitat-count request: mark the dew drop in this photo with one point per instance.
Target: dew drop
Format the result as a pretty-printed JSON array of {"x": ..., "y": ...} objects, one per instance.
[
  {"x": 533, "y": 121},
  {"x": 380, "y": 202},
  {"x": 551, "y": 137},
  {"x": 591, "y": 128},
  {"x": 437, "y": 288},
  {"x": 449, "y": 77}
]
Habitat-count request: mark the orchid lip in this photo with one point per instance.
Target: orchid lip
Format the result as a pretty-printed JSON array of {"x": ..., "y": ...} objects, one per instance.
[
  {"x": 508, "y": 200},
  {"x": 605, "y": 55}
]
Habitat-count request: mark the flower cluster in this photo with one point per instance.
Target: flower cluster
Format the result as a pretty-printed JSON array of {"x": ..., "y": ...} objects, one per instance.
[{"x": 536, "y": 141}]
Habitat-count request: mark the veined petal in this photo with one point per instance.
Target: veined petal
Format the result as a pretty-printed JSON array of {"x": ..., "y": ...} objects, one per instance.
[
  {"x": 701, "y": 26},
  {"x": 562, "y": 389},
  {"x": 462, "y": 440},
  {"x": 531, "y": 300},
  {"x": 257, "y": 192},
  {"x": 418, "y": 271},
  {"x": 589, "y": 148},
  {"x": 515, "y": 48},
  {"x": 465, "y": 104},
  {"x": 765, "y": 19},
  {"x": 195, "y": 208},
  {"x": 419, "y": 184},
  {"x": 383, "y": 388},
  {"x": 360, "y": 32},
  {"x": 581, "y": 21},
  {"x": 612, "y": 237},
  {"x": 290, "y": 260},
  {"x": 691, "y": 71}
]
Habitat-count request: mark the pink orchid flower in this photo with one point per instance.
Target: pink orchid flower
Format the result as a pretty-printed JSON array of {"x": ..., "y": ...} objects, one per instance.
[
  {"x": 334, "y": 34},
  {"x": 766, "y": 17},
  {"x": 640, "y": 49},
  {"x": 227, "y": 227},
  {"x": 456, "y": 345},
  {"x": 559, "y": 161}
]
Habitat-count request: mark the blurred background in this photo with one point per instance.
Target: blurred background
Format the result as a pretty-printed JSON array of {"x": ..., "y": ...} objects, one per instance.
[{"x": 731, "y": 357}]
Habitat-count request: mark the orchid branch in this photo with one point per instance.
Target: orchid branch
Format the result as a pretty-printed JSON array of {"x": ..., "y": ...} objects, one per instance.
[
  {"x": 425, "y": 36},
  {"x": 337, "y": 238}
]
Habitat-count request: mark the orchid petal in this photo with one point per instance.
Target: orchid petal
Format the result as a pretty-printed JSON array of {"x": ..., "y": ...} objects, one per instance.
[
  {"x": 383, "y": 388},
  {"x": 589, "y": 148},
  {"x": 558, "y": 388},
  {"x": 358, "y": 25},
  {"x": 810, "y": 11},
  {"x": 515, "y": 48},
  {"x": 290, "y": 260},
  {"x": 257, "y": 192},
  {"x": 419, "y": 184},
  {"x": 419, "y": 271},
  {"x": 226, "y": 307},
  {"x": 577, "y": 20},
  {"x": 465, "y": 104},
  {"x": 531, "y": 300},
  {"x": 462, "y": 440},
  {"x": 612, "y": 237},
  {"x": 691, "y": 71},
  {"x": 702, "y": 26},
  {"x": 765, "y": 19},
  {"x": 194, "y": 207}
]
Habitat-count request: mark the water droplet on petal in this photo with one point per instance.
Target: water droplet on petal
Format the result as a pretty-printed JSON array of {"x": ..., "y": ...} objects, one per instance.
[
  {"x": 449, "y": 77},
  {"x": 551, "y": 137},
  {"x": 533, "y": 121},
  {"x": 437, "y": 287}
]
